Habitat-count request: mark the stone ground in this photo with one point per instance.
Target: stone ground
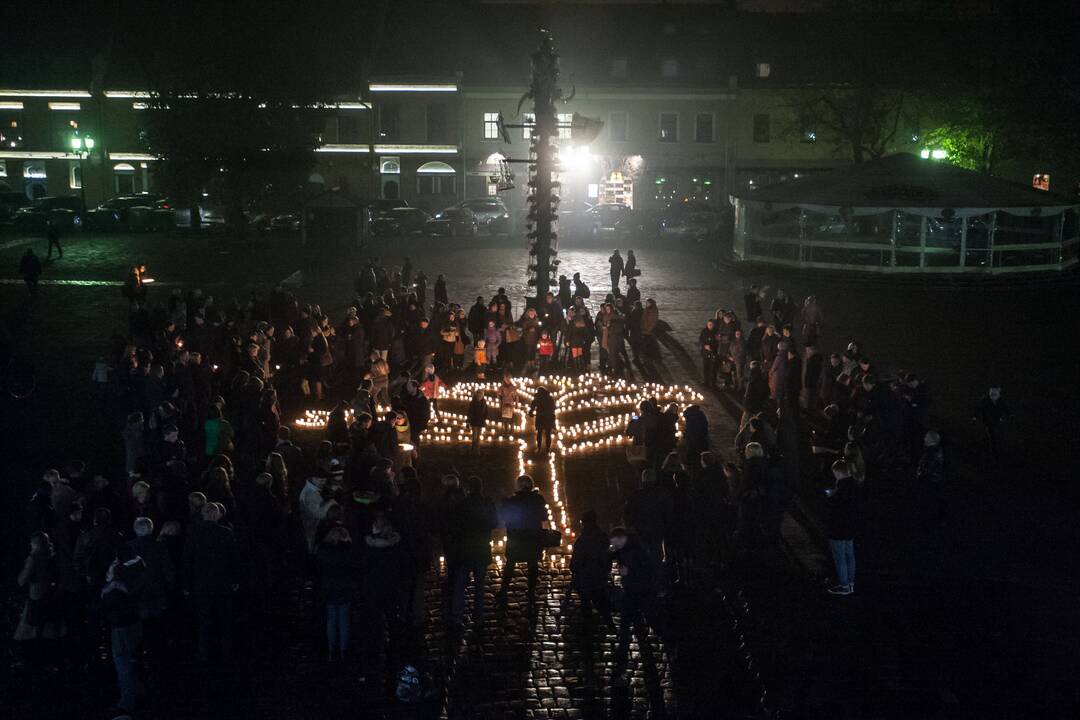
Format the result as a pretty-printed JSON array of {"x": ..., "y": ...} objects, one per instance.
[{"x": 981, "y": 620}]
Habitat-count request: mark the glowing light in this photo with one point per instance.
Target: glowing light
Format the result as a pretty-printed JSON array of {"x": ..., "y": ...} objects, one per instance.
[
  {"x": 134, "y": 157},
  {"x": 939, "y": 154},
  {"x": 13, "y": 105},
  {"x": 65, "y": 106},
  {"x": 10, "y": 92},
  {"x": 412, "y": 87},
  {"x": 126, "y": 94}
]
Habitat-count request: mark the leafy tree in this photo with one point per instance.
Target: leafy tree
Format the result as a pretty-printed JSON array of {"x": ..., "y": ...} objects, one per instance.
[{"x": 862, "y": 121}]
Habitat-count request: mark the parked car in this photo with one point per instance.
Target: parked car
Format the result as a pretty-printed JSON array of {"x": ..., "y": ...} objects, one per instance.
[
  {"x": 287, "y": 223},
  {"x": 491, "y": 214},
  {"x": 154, "y": 216},
  {"x": 66, "y": 212},
  {"x": 400, "y": 221},
  {"x": 453, "y": 221},
  {"x": 113, "y": 213},
  {"x": 10, "y": 202},
  {"x": 612, "y": 219},
  {"x": 689, "y": 224},
  {"x": 382, "y": 206}
]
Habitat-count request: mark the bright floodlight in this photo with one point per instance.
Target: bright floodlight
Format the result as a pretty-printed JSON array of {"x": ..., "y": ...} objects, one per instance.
[
  {"x": 575, "y": 159},
  {"x": 924, "y": 154},
  {"x": 939, "y": 154},
  {"x": 89, "y": 143},
  {"x": 76, "y": 143}
]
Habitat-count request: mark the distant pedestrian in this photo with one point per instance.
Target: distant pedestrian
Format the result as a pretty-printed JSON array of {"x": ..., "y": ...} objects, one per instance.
[
  {"x": 617, "y": 265},
  {"x": 992, "y": 413},
  {"x": 30, "y": 269},
  {"x": 477, "y": 417},
  {"x": 841, "y": 527},
  {"x": 53, "y": 234}
]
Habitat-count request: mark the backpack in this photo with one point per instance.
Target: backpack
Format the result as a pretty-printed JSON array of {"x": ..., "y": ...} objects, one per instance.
[{"x": 414, "y": 686}]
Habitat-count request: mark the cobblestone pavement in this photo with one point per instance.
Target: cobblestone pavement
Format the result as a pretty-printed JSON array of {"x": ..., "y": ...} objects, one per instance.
[{"x": 982, "y": 621}]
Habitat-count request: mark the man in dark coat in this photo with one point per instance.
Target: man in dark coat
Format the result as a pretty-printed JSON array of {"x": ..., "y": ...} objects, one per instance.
[
  {"x": 695, "y": 435},
  {"x": 616, "y": 262},
  {"x": 30, "y": 269},
  {"x": 640, "y": 588},
  {"x": 474, "y": 518},
  {"x": 523, "y": 514},
  {"x": 590, "y": 567},
  {"x": 211, "y": 578}
]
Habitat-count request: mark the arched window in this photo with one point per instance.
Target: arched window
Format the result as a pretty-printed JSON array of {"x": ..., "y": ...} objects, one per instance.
[{"x": 436, "y": 178}]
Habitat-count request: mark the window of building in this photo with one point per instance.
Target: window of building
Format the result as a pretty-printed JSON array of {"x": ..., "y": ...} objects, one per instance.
[
  {"x": 763, "y": 69},
  {"x": 124, "y": 179},
  {"x": 11, "y": 130},
  {"x": 491, "y": 126},
  {"x": 3, "y": 168},
  {"x": 348, "y": 128},
  {"x": 618, "y": 125},
  {"x": 75, "y": 175},
  {"x": 669, "y": 127},
  {"x": 436, "y": 123},
  {"x": 436, "y": 184},
  {"x": 390, "y": 122},
  {"x": 703, "y": 128},
  {"x": 528, "y": 119},
  {"x": 669, "y": 68},
  {"x": 619, "y": 67},
  {"x": 34, "y": 170},
  {"x": 565, "y": 121},
  {"x": 761, "y": 128}
]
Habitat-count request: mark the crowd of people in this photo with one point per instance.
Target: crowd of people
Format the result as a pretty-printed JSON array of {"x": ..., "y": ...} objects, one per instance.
[{"x": 212, "y": 506}]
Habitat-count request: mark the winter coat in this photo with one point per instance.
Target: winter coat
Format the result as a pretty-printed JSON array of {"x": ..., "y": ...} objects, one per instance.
[
  {"x": 477, "y": 413},
  {"x": 590, "y": 565},
  {"x": 339, "y": 571}
]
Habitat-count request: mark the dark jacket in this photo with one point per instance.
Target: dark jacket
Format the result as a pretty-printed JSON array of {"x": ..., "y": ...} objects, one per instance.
[
  {"x": 339, "y": 571},
  {"x": 159, "y": 576},
  {"x": 523, "y": 515},
  {"x": 842, "y": 511},
  {"x": 650, "y": 511},
  {"x": 640, "y": 583},
  {"x": 590, "y": 566},
  {"x": 477, "y": 413},
  {"x": 543, "y": 406},
  {"x": 475, "y": 518},
  {"x": 211, "y": 560}
]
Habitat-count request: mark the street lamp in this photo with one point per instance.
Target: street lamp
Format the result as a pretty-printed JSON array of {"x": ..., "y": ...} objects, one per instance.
[{"x": 82, "y": 147}]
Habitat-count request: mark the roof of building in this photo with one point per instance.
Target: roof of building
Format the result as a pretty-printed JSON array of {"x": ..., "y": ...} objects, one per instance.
[{"x": 905, "y": 180}]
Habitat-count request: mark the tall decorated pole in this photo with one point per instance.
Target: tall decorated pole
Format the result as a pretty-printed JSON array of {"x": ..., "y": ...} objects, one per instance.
[{"x": 542, "y": 220}]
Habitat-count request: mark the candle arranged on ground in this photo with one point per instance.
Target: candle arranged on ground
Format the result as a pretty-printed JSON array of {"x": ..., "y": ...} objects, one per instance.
[{"x": 592, "y": 412}]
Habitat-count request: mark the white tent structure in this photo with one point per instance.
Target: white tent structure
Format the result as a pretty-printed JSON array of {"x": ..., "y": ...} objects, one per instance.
[{"x": 904, "y": 214}]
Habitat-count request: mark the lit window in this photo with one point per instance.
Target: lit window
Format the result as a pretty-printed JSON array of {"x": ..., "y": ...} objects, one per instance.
[
  {"x": 1041, "y": 181},
  {"x": 75, "y": 176},
  {"x": 763, "y": 69},
  {"x": 669, "y": 127},
  {"x": 619, "y": 67},
  {"x": 493, "y": 189},
  {"x": 761, "y": 128},
  {"x": 3, "y": 168},
  {"x": 529, "y": 119},
  {"x": 703, "y": 128},
  {"x": 565, "y": 121},
  {"x": 491, "y": 126},
  {"x": 619, "y": 126},
  {"x": 669, "y": 68},
  {"x": 594, "y": 191}
]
